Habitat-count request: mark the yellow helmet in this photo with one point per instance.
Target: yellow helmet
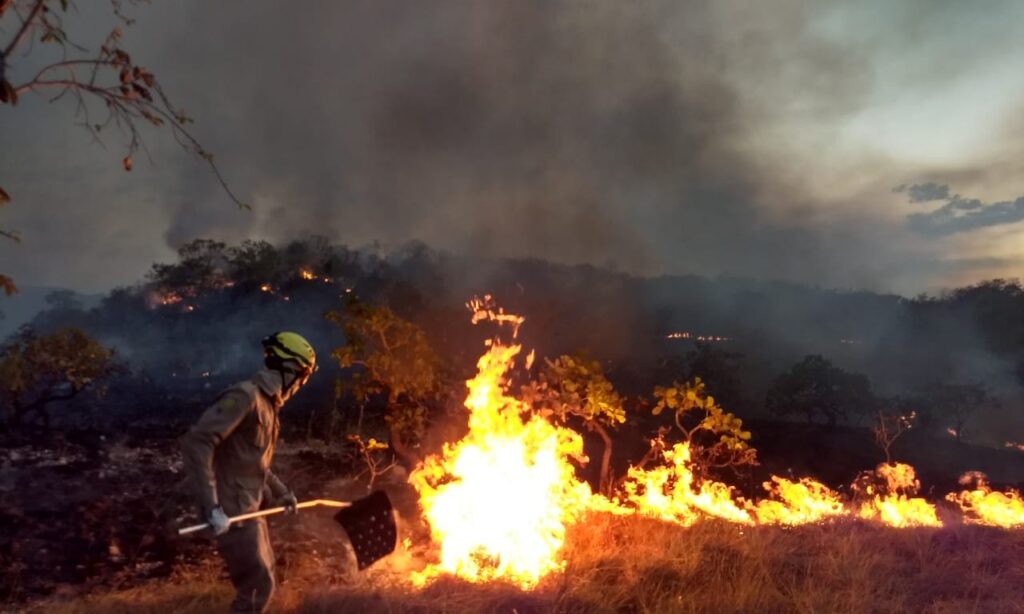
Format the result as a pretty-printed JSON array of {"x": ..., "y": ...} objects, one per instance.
[{"x": 290, "y": 346}]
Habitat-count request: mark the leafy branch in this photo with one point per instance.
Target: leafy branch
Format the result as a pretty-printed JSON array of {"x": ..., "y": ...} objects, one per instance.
[{"x": 716, "y": 437}]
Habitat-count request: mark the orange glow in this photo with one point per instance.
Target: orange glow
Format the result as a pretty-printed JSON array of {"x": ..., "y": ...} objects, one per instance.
[
  {"x": 688, "y": 335},
  {"x": 670, "y": 492},
  {"x": 894, "y": 503},
  {"x": 498, "y": 501},
  {"x": 981, "y": 505},
  {"x": 802, "y": 502}
]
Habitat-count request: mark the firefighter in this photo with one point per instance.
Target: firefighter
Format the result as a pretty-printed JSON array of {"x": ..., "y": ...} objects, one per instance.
[{"x": 227, "y": 457}]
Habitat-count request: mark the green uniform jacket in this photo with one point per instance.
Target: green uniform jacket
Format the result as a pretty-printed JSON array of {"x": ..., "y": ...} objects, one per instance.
[{"x": 228, "y": 451}]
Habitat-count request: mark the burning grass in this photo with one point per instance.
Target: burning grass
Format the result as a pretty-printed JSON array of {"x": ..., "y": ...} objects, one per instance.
[
  {"x": 513, "y": 528},
  {"x": 636, "y": 564}
]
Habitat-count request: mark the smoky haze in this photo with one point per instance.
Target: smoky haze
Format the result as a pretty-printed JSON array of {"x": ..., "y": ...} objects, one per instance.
[
  {"x": 208, "y": 337},
  {"x": 509, "y": 128},
  {"x": 656, "y": 138}
]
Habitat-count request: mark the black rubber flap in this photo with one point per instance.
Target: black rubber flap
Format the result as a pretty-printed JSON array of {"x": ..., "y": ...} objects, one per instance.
[{"x": 370, "y": 524}]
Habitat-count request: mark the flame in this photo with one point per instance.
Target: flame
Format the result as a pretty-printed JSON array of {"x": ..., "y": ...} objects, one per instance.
[
  {"x": 306, "y": 274},
  {"x": 670, "y": 492},
  {"x": 794, "y": 503},
  {"x": 171, "y": 298},
  {"x": 266, "y": 288},
  {"x": 689, "y": 335},
  {"x": 952, "y": 432},
  {"x": 982, "y": 505},
  {"x": 895, "y": 504},
  {"x": 1015, "y": 445},
  {"x": 498, "y": 501}
]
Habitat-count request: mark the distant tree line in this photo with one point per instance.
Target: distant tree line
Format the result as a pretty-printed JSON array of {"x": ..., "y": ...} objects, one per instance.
[{"x": 396, "y": 326}]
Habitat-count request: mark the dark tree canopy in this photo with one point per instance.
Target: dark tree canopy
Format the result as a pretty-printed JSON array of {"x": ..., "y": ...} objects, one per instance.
[
  {"x": 721, "y": 373},
  {"x": 818, "y": 390},
  {"x": 38, "y": 370},
  {"x": 392, "y": 357},
  {"x": 952, "y": 406}
]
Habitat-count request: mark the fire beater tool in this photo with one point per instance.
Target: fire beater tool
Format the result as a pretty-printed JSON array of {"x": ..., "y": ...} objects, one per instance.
[{"x": 369, "y": 523}]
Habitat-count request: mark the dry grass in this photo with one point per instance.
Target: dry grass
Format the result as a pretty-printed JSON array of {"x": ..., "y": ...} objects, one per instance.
[{"x": 638, "y": 565}]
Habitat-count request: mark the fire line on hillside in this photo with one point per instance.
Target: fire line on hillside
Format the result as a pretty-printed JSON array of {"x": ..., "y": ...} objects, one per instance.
[{"x": 499, "y": 501}]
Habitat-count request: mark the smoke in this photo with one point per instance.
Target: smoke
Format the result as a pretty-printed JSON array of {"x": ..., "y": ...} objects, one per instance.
[
  {"x": 605, "y": 134},
  {"x": 666, "y": 137}
]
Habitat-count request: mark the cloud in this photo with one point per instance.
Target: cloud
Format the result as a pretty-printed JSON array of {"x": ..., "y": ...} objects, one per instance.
[
  {"x": 925, "y": 192},
  {"x": 959, "y": 214}
]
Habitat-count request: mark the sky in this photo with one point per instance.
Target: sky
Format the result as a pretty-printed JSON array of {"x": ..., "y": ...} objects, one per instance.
[{"x": 862, "y": 145}]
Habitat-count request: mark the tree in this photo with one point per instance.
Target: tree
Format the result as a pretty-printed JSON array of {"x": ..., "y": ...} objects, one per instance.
[
  {"x": 575, "y": 387},
  {"x": 890, "y": 425},
  {"x": 373, "y": 454},
  {"x": 394, "y": 359},
  {"x": 254, "y": 261},
  {"x": 36, "y": 371},
  {"x": 201, "y": 265},
  {"x": 716, "y": 437},
  {"x": 719, "y": 371},
  {"x": 815, "y": 388},
  {"x": 105, "y": 79},
  {"x": 956, "y": 404}
]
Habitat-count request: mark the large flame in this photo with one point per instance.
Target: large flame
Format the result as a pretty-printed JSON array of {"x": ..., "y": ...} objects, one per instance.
[
  {"x": 670, "y": 492},
  {"x": 498, "y": 501},
  {"x": 981, "y": 505},
  {"x": 802, "y": 502},
  {"x": 894, "y": 502}
]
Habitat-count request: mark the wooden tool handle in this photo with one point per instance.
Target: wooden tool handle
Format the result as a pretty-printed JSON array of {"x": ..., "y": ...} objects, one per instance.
[{"x": 267, "y": 512}]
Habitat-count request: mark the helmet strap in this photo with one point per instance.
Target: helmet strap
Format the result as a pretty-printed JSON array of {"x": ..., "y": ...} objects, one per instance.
[
  {"x": 286, "y": 385},
  {"x": 276, "y": 363}
]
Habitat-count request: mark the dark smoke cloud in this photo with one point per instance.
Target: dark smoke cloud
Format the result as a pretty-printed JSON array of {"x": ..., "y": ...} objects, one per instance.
[
  {"x": 959, "y": 214},
  {"x": 609, "y": 134},
  {"x": 604, "y": 132}
]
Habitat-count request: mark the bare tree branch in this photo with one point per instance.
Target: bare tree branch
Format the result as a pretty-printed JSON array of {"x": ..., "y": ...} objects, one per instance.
[
  {"x": 129, "y": 92},
  {"x": 37, "y": 8}
]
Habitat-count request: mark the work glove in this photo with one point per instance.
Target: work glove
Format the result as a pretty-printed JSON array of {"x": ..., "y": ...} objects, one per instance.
[
  {"x": 289, "y": 502},
  {"x": 218, "y": 520}
]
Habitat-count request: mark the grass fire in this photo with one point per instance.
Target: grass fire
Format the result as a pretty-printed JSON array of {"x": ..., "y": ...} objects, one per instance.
[
  {"x": 511, "y": 307},
  {"x": 517, "y": 480}
]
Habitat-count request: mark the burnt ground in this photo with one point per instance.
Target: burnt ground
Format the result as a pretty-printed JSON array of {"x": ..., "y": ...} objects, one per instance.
[{"x": 82, "y": 512}]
